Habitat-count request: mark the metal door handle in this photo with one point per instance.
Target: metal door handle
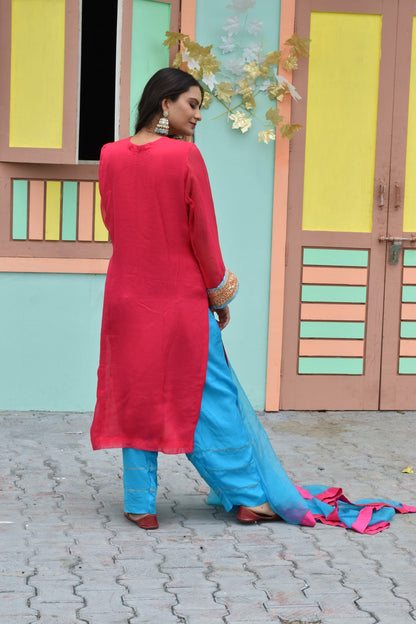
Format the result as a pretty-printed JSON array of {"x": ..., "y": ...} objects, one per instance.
[
  {"x": 397, "y": 196},
  {"x": 382, "y": 190},
  {"x": 397, "y": 239}
]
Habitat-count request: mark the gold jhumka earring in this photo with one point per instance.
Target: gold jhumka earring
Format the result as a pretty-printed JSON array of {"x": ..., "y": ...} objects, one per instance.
[{"x": 162, "y": 126}]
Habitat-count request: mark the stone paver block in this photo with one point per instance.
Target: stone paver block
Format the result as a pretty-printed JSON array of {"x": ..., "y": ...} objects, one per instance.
[
  {"x": 14, "y": 604},
  {"x": 11, "y": 583},
  {"x": 100, "y": 618},
  {"x": 296, "y": 613},
  {"x": 54, "y": 590},
  {"x": 163, "y": 618},
  {"x": 152, "y": 610},
  {"x": 23, "y": 619},
  {"x": 241, "y": 619},
  {"x": 360, "y": 618},
  {"x": 145, "y": 587},
  {"x": 389, "y": 611},
  {"x": 190, "y": 577},
  {"x": 102, "y": 601}
]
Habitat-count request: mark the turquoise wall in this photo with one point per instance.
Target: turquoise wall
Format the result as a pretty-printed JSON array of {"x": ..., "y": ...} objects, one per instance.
[
  {"x": 49, "y": 340},
  {"x": 241, "y": 171}
]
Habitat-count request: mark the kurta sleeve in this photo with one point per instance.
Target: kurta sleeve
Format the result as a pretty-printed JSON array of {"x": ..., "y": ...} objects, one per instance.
[{"x": 220, "y": 282}]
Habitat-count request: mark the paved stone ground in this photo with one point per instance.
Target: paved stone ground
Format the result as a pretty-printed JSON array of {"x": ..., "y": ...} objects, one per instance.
[{"x": 67, "y": 554}]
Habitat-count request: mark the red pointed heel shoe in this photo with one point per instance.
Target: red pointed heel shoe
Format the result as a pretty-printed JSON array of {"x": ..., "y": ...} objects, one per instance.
[
  {"x": 248, "y": 516},
  {"x": 149, "y": 521}
]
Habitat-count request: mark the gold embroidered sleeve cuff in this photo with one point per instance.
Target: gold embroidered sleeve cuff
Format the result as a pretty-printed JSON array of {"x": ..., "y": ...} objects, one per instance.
[{"x": 223, "y": 294}]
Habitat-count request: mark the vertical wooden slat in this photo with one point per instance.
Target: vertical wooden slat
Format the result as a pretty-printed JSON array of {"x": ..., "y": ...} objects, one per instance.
[
  {"x": 100, "y": 231},
  {"x": 19, "y": 213},
  {"x": 85, "y": 211},
  {"x": 53, "y": 210},
  {"x": 69, "y": 210},
  {"x": 36, "y": 209}
]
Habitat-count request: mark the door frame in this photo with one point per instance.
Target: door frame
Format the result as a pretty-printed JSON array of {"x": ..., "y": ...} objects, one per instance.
[{"x": 279, "y": 231}]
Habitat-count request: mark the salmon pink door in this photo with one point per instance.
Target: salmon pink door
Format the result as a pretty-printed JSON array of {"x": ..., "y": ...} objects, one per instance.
[{"x": 350, "y": 298}]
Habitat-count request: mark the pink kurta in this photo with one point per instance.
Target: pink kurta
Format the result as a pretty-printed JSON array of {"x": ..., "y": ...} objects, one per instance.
[{"x": 157, "y": 206}]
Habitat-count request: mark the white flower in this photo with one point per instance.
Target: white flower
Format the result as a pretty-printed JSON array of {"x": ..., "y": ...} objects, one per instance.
[
  {"x": 251, "y": 53},
  {"x": 241, "y": 6},
  {"x": 235, "y": 65},
  {"x": 240, "y": 121},
  {"x": 255, "y": 27},
  {"x": 210, "y": 81},
  {"x": 267, "y": 135},
  {"x": 295, "y": 95},
  {"x": 227, "y": 45},
  {"x": 281, "y": 80},
  {"x": 232, "y": 25},
  {"x": 192, "y": 63},
  {"x": 266, "y": 84}
]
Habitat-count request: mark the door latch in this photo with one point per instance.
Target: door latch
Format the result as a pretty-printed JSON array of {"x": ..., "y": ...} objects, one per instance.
[
  {"x": 394, "y": 252},
  {"x": 396, "y": 245}
]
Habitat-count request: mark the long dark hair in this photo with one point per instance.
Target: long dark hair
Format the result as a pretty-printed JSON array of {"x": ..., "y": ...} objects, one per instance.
[{"x": 165, "y": 83}]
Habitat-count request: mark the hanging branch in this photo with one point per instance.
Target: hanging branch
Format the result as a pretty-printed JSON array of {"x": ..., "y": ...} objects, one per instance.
[{"x": 247, "y": 75}]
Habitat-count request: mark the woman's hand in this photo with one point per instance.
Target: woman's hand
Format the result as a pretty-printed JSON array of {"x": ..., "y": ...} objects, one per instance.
[{"x": 223, "y": 317}]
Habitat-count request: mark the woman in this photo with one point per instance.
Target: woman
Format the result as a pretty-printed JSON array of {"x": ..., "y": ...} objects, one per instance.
[{"x": 163, "y": 381}]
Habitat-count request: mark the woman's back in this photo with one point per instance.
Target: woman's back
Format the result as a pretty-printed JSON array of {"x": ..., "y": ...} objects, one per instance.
[{"x": 157, "y": 205}]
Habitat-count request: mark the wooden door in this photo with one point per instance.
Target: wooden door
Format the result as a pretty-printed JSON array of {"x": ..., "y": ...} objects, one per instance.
[
  {"x": 398, "y": 370},
  {"x": 338, "y": 206}
]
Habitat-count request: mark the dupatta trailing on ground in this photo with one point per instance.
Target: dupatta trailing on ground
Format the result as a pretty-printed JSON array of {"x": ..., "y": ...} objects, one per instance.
[{"x": 308, "y": 504}]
